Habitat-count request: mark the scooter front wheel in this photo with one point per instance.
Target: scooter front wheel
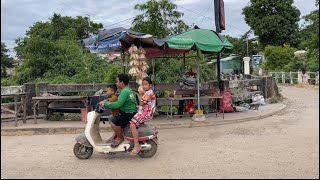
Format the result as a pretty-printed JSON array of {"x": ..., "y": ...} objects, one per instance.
[{"x": 81, "y": 151}]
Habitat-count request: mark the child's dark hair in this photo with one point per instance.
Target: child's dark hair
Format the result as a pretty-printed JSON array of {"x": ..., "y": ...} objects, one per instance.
[
  {"x": 113, "y": 87},
  {"x": 124, "y": 78},
  {"x": 147, "y": 79}
]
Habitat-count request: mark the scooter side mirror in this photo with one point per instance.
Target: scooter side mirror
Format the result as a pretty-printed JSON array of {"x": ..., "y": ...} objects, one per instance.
[{"x": 99, "y": 108}]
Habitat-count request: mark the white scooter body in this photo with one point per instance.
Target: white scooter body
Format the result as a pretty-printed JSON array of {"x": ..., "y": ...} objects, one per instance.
[
  {"x": 92, "y": 139},
  {"x": 92, "y": 133}
]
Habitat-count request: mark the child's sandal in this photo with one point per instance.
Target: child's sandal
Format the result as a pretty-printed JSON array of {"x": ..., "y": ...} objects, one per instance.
[{"x": 133, "y": 153}]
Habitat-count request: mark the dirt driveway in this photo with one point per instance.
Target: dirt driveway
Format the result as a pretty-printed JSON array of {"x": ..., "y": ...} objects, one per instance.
[{"x": 281, "y": 146}]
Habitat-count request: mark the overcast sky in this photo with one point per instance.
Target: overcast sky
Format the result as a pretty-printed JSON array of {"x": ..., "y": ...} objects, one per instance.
[{"x": 18, "y": 15}]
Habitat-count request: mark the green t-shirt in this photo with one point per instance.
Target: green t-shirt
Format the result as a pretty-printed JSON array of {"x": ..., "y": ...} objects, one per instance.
[{"x": 126, "y": 102}]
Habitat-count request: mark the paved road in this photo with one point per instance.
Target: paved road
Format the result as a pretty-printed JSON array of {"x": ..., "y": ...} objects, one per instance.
[{"x": 282, "y": 146}]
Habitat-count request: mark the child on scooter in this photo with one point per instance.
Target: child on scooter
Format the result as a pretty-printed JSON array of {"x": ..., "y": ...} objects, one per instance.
[
  {"x": 147, "y": 103},
  {"x": 110, "y": 91}
]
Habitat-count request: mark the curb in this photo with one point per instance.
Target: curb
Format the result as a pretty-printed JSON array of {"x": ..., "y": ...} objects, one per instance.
[{"x": 78, "y": 130}]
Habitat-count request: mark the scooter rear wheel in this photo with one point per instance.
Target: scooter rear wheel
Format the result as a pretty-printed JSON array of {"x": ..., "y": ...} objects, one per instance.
[
  {"x": 151, "y": 152},
  {"x": 81, "y": 151}
]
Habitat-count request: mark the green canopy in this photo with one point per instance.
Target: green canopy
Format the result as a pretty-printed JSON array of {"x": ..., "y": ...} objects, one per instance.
[
  {"x": 227, "y": 44},
  {"x": 202, "y": 39}
]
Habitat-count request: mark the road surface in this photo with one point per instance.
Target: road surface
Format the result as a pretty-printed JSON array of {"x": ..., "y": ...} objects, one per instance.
[{"x": 281, "y": 146}]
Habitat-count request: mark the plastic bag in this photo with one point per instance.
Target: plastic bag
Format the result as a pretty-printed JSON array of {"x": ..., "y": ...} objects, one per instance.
[
  {"x": 258, "y": 99},
  {"x": 226, "y": 103}
]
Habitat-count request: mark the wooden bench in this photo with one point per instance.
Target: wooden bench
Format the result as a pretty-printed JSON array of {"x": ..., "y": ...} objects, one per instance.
[{"x": 50, "y": 99}]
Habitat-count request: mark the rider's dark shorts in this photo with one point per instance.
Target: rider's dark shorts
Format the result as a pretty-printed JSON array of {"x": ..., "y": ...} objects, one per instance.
[{"x": 123, "y": 119}]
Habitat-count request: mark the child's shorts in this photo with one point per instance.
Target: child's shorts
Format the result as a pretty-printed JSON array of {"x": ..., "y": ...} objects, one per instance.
[{"x": 138, "y": 119}]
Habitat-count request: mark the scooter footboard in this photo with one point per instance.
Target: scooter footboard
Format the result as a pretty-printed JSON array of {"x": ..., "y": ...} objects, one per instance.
[{"x": 82, "y": 139}]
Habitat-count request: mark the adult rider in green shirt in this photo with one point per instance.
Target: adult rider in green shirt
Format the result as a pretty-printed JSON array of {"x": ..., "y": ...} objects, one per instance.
[{"x": 128, "y": 108}]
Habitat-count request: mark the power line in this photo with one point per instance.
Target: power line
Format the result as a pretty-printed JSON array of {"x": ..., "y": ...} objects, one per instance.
[
  {"x": 195, "y": 12},
  {"x": 207, "y": 9},
  {"x": 120, "y": 22},
  {"x": 89, "y": 15},
  {"x": 197, "y": 17},
  {"x": 73, "y": 8},
  {"x": 209, "y": 18}
]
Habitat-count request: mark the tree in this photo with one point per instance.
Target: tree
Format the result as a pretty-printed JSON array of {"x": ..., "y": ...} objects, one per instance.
[
  {"x": 275, "y": 22},
  {"x": 6, "y": 61},
  {"x": 61, "y": 61},
  {"x": 311, "y": 38},
  {"x": 52, "y": 51},
  {"x": 240, "y": 46},
  {"x": 58, "y": 27},
  {"x": 160, "y": 18},
  {"x": 279, "y": 58}
]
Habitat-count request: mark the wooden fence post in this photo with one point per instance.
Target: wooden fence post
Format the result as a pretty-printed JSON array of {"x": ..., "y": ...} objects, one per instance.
[
  {"x": 30, "y": 89},
  {"x": 42, "y": 88},
  {"x": 317, "y": 78},
  {"x": 291, "y": 80},
  {"x": 282, "y": 78}
]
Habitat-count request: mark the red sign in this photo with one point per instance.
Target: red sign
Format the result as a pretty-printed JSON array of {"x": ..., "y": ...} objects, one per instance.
[{"x": 222, "y": 22}]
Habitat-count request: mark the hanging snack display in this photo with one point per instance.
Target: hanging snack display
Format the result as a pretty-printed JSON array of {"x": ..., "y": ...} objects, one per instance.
[{"x": 139, "y": 66}]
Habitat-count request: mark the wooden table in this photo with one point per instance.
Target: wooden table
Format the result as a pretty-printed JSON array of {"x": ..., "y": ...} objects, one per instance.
[
  {"x": 171, "y": 99},
  {"x": 50, "y": 99},
  {"x": 16, "y": 108}
]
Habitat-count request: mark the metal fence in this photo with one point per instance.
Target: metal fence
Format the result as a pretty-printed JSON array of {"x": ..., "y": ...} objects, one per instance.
[{"x": 310, "y": 78}]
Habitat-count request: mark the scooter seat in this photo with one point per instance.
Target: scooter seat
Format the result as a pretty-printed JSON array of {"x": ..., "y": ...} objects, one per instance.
[{"x": 143, "y": 131}]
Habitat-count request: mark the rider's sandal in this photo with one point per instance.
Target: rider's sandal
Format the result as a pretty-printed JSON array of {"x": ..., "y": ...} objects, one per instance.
[
  {"x": 111, "y": 139},
  {"x": 116, "y": 143},
  {"x": 133, "y": 153}
]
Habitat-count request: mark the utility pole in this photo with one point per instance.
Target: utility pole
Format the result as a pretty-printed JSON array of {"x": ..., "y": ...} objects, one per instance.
[
  {"x": 247, "y": 47},
  {"x": 218, "y": 30}
]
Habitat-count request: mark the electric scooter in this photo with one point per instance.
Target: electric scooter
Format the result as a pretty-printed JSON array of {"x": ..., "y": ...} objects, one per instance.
[{"x": 91, "y": 139}]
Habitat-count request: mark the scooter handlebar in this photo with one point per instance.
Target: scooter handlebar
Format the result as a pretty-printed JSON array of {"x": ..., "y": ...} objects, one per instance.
[{"x": 99, "y": 108}]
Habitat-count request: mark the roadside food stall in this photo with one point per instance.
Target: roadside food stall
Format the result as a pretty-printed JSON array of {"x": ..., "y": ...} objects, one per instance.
[{"x": 202, "y": 41}]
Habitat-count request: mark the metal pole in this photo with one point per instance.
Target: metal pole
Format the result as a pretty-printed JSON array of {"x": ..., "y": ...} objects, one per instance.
[
  {"x": 247, "y": 48},
  {"x": 153, "y": 77},
  {"x": 218, "y": 30},
  {"x": 184, "y": 62},
  {"x": 198, "y": 80},
  {"x": 218, "y": 72},
  {"x": 123, "y": 62}
]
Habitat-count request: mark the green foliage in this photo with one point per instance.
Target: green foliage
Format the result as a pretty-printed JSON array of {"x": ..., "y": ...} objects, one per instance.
[
  {"x": 313, "y": 60},
  {"x": 298, "y": 63},
  {"x": 6, "y": 61},
  {"x": 170, "y": 70},
  {"x": 240, "y": 46},
  {"x": 274, "y": 21},
  {"x": 311, "y": 40},
  {"x": 283, "y": 59},
  {"x": 8, "y": 81},
  {"x": 58, "y": 27},
  {"x": 52, "y": 53},
  {"x": 277, "y": 57},
  {"x": 112, "y": 73},
  {"x": 160, "y": 18}
]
